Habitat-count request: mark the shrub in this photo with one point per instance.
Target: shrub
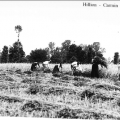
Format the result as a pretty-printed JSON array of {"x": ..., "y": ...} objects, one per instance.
[
  {"x": 33, "y": 89},
  {"x": 31, "y": 105},
  {"x": 66, "y": 113}
]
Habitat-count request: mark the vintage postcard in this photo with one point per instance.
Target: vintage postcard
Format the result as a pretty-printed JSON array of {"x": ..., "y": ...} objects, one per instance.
[{"x": 60, "y": 59}]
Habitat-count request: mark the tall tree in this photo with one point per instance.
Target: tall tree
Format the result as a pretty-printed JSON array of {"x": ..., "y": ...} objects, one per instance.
[
  {"x": 98, "y": 50},
  {"x": 96, "y": 46},
  {"x": 4, "y": 55},
  {"x": 65, "y": 49},
  {"x": 78, "y": 52},
  {"x": 16, "y": 53},
  {"x": 18, "y": 29},
  {"x": 51, "y": 47},
  {"x": 47, "y": 49},
  {"x": 57, "y": 56},
  {"x": 90, "y": 54},
  {"x": 116, "y": 58},
  {"x": 38, "y": 55},
  {"x": 83, "y": 58},
  {"x": 66, "y": 45},
  {"x": 72, "y": 52}
]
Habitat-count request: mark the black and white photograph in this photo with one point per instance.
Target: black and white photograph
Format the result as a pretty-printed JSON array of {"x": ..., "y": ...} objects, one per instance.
[{"x": 60, "y": 59}]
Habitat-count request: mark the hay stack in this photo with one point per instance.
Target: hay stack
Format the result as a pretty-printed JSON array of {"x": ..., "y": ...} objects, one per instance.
[{"x": 98, "y": 60}]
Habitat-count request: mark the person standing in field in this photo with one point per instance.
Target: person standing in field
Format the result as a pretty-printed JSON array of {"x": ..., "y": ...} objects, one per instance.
[{"x": 95, "y": 69}]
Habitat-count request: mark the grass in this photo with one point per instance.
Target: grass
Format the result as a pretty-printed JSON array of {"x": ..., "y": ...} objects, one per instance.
[{"x": 37, "y": 94}]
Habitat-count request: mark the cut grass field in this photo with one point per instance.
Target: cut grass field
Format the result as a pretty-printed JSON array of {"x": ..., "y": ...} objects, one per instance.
[{"x": 38, "y": 94}]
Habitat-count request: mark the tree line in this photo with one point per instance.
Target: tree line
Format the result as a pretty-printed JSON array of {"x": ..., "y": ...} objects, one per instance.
[{"x": 67, "y": 53}]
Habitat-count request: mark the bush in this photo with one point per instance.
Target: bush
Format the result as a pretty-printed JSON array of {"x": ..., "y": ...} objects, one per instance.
[
  {"x": 87, "y": 93},
  {"x": 33, "y": 89},
  {"x": 31, "y": 105},
  {"x": 66, "y": 113}
]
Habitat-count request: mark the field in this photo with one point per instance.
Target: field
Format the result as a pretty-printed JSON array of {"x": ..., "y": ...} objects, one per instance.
[{"x": 36, "y": 94}]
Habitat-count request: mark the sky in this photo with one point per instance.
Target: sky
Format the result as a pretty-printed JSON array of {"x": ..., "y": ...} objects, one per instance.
[{"x": 56, "y": 21}]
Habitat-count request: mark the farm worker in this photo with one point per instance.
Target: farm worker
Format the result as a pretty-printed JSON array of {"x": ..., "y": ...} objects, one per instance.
[
  {"x": 46, "y": 64},
  {"x": 94, "y": 72},
  {"x": 34, "y": 66},
  {"x": 79, "y": 68},
  {"x": 76, "y": 66},
  {"x": 60, "y": 66},
  {"x": 73, "y": 65},
  {"x": 57, "y": 69},
  {"x": 95, "y": 69}
]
